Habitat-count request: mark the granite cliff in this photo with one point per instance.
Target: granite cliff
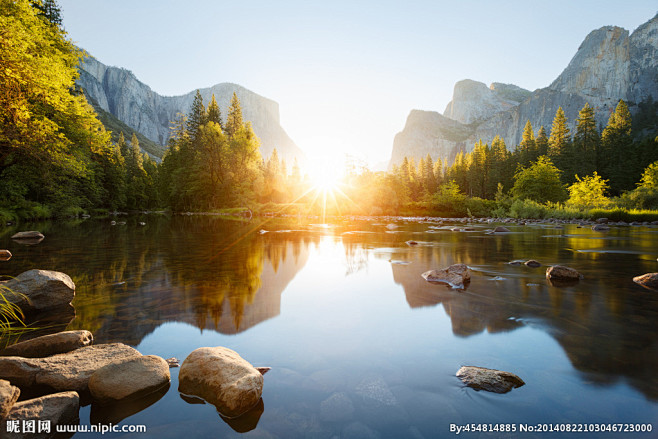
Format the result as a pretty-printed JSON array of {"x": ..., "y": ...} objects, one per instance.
[
  {"x": 609, "y": 65},
  {"x": 118, "y": 92}
]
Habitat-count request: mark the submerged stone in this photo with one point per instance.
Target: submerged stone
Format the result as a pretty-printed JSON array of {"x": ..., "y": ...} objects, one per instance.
[
  {"x": 5, "y": 255},
  {"x": 491, "y": 380},
  {"x": 456, "y": 275},
  {"x": 562, "y": 273},
  {"x": 649, "y": 280}
]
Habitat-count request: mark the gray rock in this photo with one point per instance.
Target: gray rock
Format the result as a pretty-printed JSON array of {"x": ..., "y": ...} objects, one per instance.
[
  {"x": 58, "y": 408},
  {"x": 649, "y": 280},
  {"x": 609, "y": 65},
  {"x": 532, "y": 263},
  {"x": 456, "y": 275},
  {"x": 600, "y": 228},
  {"x": 491, "y": 380},
  {"x": 562, "y": 273},
  {"x": 129, "y": 380},
  {"x": 8, "y": 396},
  {"x": 222, "y": 378},
  {"x": 37, "y": 290},
  {"x": 120, "y": 93},
  {"x": 337, "y": 408},
  {"x": 32, "y": 234},
  {"x": 501, "y": 229},
  {"x": 69, "y": 371},
  {"x": 52, "y": 344},
  {"x": 5, "y": 255}
]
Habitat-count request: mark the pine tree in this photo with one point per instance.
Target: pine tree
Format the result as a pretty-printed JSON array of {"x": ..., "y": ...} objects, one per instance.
[
  {"x": 527, "y": 147},
  {"x": 214, "y": 114},
  {"x": 123, "y": 146},
  {"x": 560, "y": 146},
  {"x": 234, "y": 117},
  {"x": 196, "y": 118},
  {"x": 618, "y": 158},
  {"x": 541, "y": 142},
  {"x": 50, "y": 10},
  {"x": 428, "y": 175},
  {"x": 586, "y": 141}
]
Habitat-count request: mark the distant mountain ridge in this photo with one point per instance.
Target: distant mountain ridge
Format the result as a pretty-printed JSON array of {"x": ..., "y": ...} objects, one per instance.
[
  {"x": 609, "y": 65},
  {"x": 118, "y": 92}
]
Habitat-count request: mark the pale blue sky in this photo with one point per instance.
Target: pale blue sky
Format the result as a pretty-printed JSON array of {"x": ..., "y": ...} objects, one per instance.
[{"x": 345, "y": 73}]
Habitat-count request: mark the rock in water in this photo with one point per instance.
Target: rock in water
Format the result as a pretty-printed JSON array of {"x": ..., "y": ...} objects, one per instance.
[
  {"x": 412, "y": 243},
  {"x": 129, "y": 380},
  {"x": 501, "y": 229},
  {"x": 58, "y": 408},
  {"x": 562, "y": 273},
  {"x": 37, "y": 290},
  {"x": 32, "y": 234},
  {"x": 8, "y": 396},
  {"x": 649, "y": 280},
  {"x": 491, "y": 380},
  {"x": 48, "y": 345},
  {"x": 5, "y": 255},
  {"x": 600, "y": 228},
  {"x": 456, "y": 275},
  {"x": 222, "y": 378},
  {"x": 532, "y": 263},
  {"x": 70, "y": 371}
]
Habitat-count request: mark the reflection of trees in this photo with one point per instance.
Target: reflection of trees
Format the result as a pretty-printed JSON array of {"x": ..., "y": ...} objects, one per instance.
[
  {"x": 206, "y": 271},
  {"x": 605, "y": 325}
]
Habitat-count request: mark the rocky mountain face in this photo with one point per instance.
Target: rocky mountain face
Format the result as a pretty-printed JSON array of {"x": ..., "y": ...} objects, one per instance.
[
  {"x": 609, "y": 65},
  {"x": 121, "y": 94}
]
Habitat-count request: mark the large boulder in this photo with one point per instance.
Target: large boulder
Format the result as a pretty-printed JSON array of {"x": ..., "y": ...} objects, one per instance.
[
  {"x": 223, "y": 378},
  {"x": 56, "y": 409},
  {"x": 129, "y": 380},
  {"x": 8, "y": 396},
  {"x": 456, "y": 275},
  {"x": 561, "y": 273},
  {"x": 48, "y": 345},
  {"x": 491, "y": 380},
  {"x": 36, "y": 290},
  {"x": 649, "y": 280},
  {"x": 69, "y": 371}
]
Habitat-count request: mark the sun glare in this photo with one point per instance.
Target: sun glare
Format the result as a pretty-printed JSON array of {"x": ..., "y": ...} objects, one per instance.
[{"x": 325, "y": 175}]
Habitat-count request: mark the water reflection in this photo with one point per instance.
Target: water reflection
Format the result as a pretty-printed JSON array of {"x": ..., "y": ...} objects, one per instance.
[
  {"x": 604, "y": 323},
  {"x": 226, "y": 277}
]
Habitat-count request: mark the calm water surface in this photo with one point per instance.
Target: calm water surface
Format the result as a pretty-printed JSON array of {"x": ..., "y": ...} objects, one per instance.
[{"x": 359, "y": 344}]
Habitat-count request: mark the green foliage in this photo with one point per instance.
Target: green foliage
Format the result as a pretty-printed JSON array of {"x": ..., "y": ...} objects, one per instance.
[
  {"x": 589, "y": 192},
  {"x": 650, "y": 177},
  {"x": 539, "y": 182},
  {"x": 449, "y": 200},
  {"x": 11, "y": 315}
]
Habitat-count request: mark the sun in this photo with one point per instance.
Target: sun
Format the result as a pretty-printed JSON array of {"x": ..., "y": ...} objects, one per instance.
[{"x": 325, "y": 175}]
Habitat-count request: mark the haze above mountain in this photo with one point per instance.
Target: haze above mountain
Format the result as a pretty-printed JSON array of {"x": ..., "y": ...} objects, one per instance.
[{"x": 609, "y": 65}]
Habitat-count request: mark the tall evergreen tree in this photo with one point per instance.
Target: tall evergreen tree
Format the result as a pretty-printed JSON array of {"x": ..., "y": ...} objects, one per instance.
[
  {"x": 50, "y": 10},
  {"x": 196, "y": 118},
  {"x": 234, "y": 117},
  {"x": 586, "y": 141},
  {"x": 527, "y": 147},
  {"x": 560, "y": 147},
  {"x": 123, "y": 146},
  {"x": 541, "y": 142},
  {"x": 618, "y": 154},
  {"x": 214, "y": 114}
]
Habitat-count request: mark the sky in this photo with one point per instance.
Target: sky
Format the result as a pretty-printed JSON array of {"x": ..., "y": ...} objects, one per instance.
[{"x": 346, "y": 74}]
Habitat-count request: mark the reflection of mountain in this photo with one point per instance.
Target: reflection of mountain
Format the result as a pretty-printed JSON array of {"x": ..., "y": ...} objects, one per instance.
[
  {"x": 219, "y": 305},
  {"x": 607, "y": 331}
]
